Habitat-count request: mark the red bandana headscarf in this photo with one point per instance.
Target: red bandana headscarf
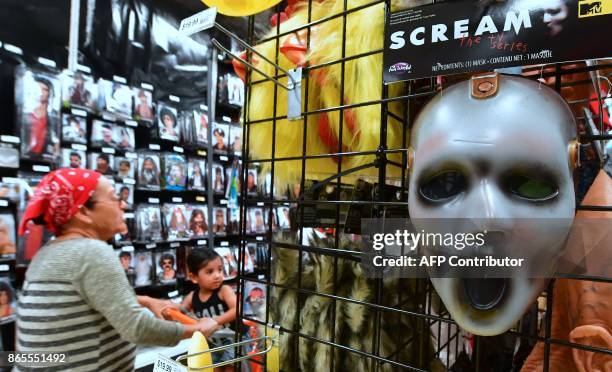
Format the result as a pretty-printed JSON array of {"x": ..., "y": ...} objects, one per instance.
[{"x": 59, "y": 196}]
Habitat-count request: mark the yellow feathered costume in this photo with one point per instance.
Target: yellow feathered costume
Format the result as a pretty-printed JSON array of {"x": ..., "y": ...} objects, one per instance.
[{"x": 362, "y": 83}]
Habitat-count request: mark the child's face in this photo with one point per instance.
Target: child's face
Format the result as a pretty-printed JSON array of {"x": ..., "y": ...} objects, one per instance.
[{"x": 209, "y": 277}]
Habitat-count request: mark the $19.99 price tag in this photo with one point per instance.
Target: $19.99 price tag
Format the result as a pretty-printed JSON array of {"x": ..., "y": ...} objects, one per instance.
[{"x": 163, "y": 364}]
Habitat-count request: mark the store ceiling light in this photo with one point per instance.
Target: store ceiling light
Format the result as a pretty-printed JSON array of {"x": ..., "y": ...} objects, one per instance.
[{"x": 241, "y": 8}]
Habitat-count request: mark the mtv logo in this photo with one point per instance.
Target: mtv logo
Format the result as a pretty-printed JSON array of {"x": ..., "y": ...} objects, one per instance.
[{"x": 591, "y": 8}]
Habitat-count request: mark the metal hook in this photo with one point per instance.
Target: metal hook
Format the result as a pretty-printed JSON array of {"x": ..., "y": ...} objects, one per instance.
[
  {"x": 246, "y": 45},
  {"x": 221, "y": 47}
]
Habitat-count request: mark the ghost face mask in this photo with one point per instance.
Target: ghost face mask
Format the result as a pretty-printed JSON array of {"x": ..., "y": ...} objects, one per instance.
[{"x": 496, "y": 149}]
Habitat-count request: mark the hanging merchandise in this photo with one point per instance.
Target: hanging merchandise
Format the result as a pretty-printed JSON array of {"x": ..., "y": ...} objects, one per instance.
[
  {"x": 167, "y": 122},
  {"x": 175, "y": 172},
  {"x": 198, "y": 227},
  {"x": 74, "y": 129},
  {"x": 115, "y": 98},
  {"x": 38, "y": 101},
  {"x": 491, "y": 306},
  {"x": 148, "y": 171},
  {"x": 196, "y": 171},
  {"x": 361, "y": 84},
  {"x": 78, "y": 91},
  {"x": 165, "y": 267},
  {"x": 143, "y": 269}
]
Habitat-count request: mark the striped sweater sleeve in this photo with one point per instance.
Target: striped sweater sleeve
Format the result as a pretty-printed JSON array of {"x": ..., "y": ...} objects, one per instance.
[{"x": 104, "y": 286}]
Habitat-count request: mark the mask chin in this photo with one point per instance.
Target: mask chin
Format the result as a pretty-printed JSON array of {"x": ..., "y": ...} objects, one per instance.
[{"x": 499, "y": 306}]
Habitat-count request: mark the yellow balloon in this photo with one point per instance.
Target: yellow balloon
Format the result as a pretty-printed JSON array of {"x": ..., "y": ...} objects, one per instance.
[
  {"x": 241, "y": 8},
  {"x": 198, "y": 344}
]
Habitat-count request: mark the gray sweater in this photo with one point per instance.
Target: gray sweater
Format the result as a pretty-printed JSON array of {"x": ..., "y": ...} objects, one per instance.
[{"x": 77, "y": 300}]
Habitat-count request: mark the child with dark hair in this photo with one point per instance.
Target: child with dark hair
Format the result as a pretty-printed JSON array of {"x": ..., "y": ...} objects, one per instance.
[{"x": 212, "y": 299}]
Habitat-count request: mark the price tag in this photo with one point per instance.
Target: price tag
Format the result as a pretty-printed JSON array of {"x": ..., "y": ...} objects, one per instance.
[
  {"x": 131, "y": 123},
  {"x": 146, "y": 86},
  {"x": 129, "y": 181},
  {"x": 261, "y": 277},
  {"x": 41, "y": 168},
  {"x": 204, "y": 107},
  {"x": 259, "y": 238},
  {"x": 260, "y": 204},
  {"x": 151, "y": 246},
  {"x": 174, "y": 98},
  {"x": 201, "y": 242},
  {"x": 163, "y": 364},
  {"x": 178, "y": 149},
  {"x": 224, "y": 202},
  {"x": 201, "y": 199},
  {"x": 13, "y": 49},
  {"x": 120, "y": 79},
  {"x": 175, "y": 245},
  {"x": 227, "y": 119},
  {"x": 177, "y": 200},
  {"x": 173, "y": 294},
  {"x": 108, "y": 150},
  {"x": 11, "y": 180},
  {"x": 78, "y": 112},
  {"x": 84, "y": 69},
  {"x": 154, "y": 200},
  {"x": 79, "y": 147},
  {"x": 127, "y": 216},
  {"x": 108, "y": 117},
  {"x": 128, "y": 248},
  {"x": 223, "y": 158},
  {"x": 154, "y": 146},
  {"x": 201, "y": 152},
  {"x": 198, "y": 22},
  {"x": 131, "y": 155},
  {"x": 4, "y": 267},
  {"x": 10, "y": 139},
  {"x": 3, "y": 203},
  {"x": 47, "y": 62},
  {"x": 225, "y": 244}
]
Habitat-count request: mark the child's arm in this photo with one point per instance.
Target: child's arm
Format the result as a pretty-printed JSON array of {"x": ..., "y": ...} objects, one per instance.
[
  {"x": 187, "y": 301},
  {"x": 227, "y": 295}
]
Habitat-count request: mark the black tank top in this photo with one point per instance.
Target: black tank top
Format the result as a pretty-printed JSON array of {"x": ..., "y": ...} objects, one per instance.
[{"x": 211, "y": 308}]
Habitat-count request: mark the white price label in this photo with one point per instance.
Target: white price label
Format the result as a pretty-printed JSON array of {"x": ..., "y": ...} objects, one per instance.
[
  {"x": 128, "y": 248},
  {"x": 108, "y": 117},
  {"x": 41, "y": 168},
  {"x": 201, "y": 242},
  {"x": 78, "y": 112},
  {"x": 177, "y": 200},
  {"x": 154, "y": 146},
  {"x": 146, "y": 86},
  {"x": 154, "y": 200},
  {"x": 127, "y": 216},
  {"x": 108, "y": 150},
  {"x": 129, "y": 181},
  {"x": 151, "y": 246},
  {"x": 4, "y": 267},
  {"x": 120, "y": 79},
  {"x": 174, "y": 98},
  {"x": 10, "y": 139},
  {"x": 131, "y": 155},
  {"x": 198, "y": 22},
  {"x": 227, "y": 119},
  {"x": 224, "y": 202},
  {"x": 131, "y": 123},
  {"x": 3, "y": 203},
  {"x": 13, "y": 49},
  {"x": 223, "y": 158},
  {"x": 84, "y": 69},
  {"x": 225, "y": 244},
  {"x": 173, "y": 294},
  {"x": 178, "y": 149},
  {"x": 175, "y": 245},
  {"x": 260, "y": 204},
  {"x": 259, "y": 238},
  {"x": 164, "y": 364},
  {"x": 47, "y": 62},
  {"x": 204, "y": 107}
]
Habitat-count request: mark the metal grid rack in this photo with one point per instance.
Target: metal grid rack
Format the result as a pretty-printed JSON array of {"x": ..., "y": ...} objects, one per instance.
[{"x": 416, "y": 303}]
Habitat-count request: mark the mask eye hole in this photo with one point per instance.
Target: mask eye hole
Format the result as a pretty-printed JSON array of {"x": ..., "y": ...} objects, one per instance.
[
  {"x": 444, "y": 185},
  {"x": 531, "y": 188}
]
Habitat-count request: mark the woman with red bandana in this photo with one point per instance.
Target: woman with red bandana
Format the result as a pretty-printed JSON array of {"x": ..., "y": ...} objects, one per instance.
[{"x": 76, "y": 297}]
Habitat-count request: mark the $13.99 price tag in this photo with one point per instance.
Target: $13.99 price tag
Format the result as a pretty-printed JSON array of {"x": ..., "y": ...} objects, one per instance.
[{"x": 163, "y": 364}]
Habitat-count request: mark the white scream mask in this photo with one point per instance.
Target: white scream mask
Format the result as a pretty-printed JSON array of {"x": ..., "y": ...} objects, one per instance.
[{"x": 495, "y": 149}]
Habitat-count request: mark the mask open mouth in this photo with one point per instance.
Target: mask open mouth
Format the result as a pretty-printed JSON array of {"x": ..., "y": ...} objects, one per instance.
[{"x": 485, "y": 294}]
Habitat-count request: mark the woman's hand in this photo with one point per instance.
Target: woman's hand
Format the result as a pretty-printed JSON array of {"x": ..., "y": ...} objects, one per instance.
[{"x": 155, "y": 305}]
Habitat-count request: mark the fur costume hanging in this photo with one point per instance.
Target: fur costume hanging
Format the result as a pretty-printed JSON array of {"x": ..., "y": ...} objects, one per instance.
[
  {"x": 401, "y": 336},
  {"x": 362, "y": 83}
]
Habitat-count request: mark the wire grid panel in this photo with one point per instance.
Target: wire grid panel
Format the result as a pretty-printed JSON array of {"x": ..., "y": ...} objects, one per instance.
[{"x": 332, "y": 318}]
